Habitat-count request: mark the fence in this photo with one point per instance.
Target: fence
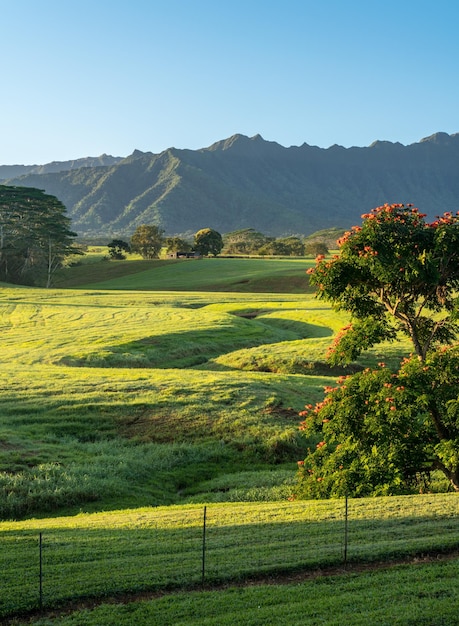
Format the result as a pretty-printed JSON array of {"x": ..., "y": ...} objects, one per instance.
[{"x": 189, "y": 546}]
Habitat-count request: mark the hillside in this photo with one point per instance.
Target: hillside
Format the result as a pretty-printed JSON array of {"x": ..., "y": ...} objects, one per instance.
[{"x": 249, "y": 182}]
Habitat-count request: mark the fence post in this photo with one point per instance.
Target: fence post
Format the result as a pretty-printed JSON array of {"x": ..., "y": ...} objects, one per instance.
[
  {"x": 204, "y": 545},
  {"x": 40, "y": 551},
  {"x": 346, "y": 517}
]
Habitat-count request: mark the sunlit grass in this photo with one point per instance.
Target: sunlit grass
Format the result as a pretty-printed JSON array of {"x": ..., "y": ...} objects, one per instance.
[
  {"x": 159, "y": 548},
  {"x": 141, "y": 370},
  {"x": 137, "y": 370},
  {"x": 263, "y": 275}
]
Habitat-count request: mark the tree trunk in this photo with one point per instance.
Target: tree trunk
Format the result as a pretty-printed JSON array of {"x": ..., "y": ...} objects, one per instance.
[{"x": 451, "y": 475}]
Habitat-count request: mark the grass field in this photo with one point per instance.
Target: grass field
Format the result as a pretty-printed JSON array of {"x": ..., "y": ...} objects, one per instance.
[
  {"x": 98, "y": 376},
  {"x": 402, "y": 596},
  {"x": 159, "y": 383},
  {"x": 105, "y": 554},
  {"x": 256, "y": 275}
]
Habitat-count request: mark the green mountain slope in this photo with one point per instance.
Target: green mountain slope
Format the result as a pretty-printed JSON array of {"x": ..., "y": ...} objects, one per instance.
[{"x": 249, "y": 182}]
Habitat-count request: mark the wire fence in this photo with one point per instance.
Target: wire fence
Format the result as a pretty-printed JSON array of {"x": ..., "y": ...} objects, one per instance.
[{"x": 204, "y": 545}]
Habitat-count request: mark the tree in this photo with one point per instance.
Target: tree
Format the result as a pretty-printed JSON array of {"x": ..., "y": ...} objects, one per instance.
[
  {"x": 396, "y": 272},
  {"x": 176, "y": 244},
  {"x": 379, "y": 431},
  {"x": 147, "y": 240},
  {"x": 274, "y": 247},
  {"x": 34, "y": 235},
  {"x": 315, "y": 248},
  {"x": 293, "y": 245},
  {"x": 117, "y": 249},
  {"x": 244, "y": 241},
  {"x": 208, "y": 241}
]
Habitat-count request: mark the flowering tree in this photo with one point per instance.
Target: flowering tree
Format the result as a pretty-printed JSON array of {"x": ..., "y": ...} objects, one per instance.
[
  {"x": 395, "y": 272},
  {"x": 379, "y": 431}
]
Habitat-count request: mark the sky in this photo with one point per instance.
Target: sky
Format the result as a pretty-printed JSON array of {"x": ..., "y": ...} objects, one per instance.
[{"x": 86, "y": 77}]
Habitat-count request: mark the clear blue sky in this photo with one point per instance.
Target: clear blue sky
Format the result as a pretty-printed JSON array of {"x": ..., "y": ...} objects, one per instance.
[{"x": 83, "y": 77}]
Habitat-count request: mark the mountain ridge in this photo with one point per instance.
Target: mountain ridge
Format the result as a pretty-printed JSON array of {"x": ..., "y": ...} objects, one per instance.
[{"x": 245, "y": 181}]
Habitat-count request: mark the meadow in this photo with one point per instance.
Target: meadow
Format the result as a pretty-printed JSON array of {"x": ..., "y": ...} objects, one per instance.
[{"x": 165, "y": 384}]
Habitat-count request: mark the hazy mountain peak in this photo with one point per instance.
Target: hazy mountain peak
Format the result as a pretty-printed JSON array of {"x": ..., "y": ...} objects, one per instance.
[{"x": 439, "y": 138}]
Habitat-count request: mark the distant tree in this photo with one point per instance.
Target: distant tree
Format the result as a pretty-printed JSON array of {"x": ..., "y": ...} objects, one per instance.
[
  {"x": 147, "y": 240},
  {"x": 293, "y": 246},
  {"x": 273, "y": 248},
  {"x": 208, "y": 241},
  {"x": 34, "y": 235},
  {"x": 177, "y": 244},
  {"x": 117, "y": 248},
  {"x": 315, "y": 248},
  {"x": 244, "y": 241}
]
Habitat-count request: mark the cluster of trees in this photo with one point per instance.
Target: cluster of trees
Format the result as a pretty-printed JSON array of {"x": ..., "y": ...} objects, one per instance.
[
  {"x": 35, "y": 236},
  {"x": 250, "y": 241},
  {"x": 148, "y": 241},
  {"x": 381, "y": 431}
]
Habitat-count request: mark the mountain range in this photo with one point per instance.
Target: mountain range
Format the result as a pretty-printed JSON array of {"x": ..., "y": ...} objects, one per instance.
[{"x": 243, "y": 182}]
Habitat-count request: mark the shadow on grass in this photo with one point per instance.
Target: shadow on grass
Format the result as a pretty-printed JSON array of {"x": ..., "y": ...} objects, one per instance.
[
  {"x": 196, "y": 347},
  {"x": 84, "y": 563}
]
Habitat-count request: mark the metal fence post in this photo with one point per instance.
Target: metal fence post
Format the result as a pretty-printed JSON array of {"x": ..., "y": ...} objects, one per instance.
[
  {"x": 204, "y": 545},
  {"x": 40, "y": 551},
  {"x": 346, "y": 517}
]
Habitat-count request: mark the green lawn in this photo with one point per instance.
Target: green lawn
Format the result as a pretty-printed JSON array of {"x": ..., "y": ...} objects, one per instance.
[
  {"x": 260, "y": 275},
  {"x": 403, "y": 596},
  {"x": 161, "y": 548}
]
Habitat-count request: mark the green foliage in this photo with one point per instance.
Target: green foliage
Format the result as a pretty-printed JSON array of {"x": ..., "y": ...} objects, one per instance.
[
  {"x": 289, "y": 246},
  {"x": 147, "y": 240},
  {"x": 400, "y": 270},
  {"x": 380, "y": 432},
  {"x": 208, "y": 241},
  {"x": 245, "y": 241},
  {"x": 315, "y": 248},
  {"x": 177, "y": 244},
  {"x": 117, "y": 249},
  {"x": 34, "y": 236}
]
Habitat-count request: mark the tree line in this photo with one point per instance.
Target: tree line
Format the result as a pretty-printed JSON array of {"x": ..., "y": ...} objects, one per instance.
[{"x": 149, "y": 240}]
